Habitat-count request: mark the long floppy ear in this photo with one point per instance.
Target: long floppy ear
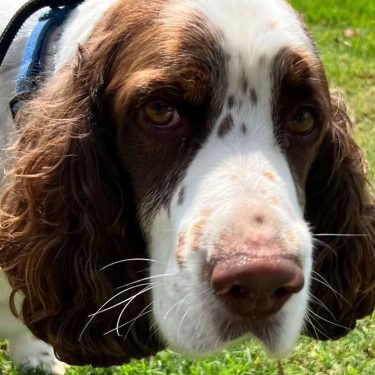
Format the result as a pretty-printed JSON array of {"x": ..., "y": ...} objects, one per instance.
[
  {"x": 341, "y": 211},
  {"x": 67, "y": 212}
]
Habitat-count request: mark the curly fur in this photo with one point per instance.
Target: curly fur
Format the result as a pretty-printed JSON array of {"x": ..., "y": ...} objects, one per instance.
[
  {"x": 338, "y": 202},
  {"x": 66, "y": 213}
]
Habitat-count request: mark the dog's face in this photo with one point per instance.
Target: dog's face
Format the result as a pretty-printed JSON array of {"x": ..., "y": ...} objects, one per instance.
[
  {"x": 220, "y": 118},
  {"x": 197, "y": 136}
]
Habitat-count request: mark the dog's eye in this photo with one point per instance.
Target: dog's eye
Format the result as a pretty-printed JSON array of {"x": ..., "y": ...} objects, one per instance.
[
  {"x": 160, "y": 113},
  {"x": 302, "y": 122}
]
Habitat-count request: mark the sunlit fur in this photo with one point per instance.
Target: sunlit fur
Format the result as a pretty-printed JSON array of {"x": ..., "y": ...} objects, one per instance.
[{"x": 78, "y": 215}]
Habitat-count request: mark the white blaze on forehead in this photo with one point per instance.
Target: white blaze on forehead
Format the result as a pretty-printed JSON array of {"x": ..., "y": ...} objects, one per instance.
[
  {"x": 253, "y": 32},
  {"x": 251, "y": 24}
]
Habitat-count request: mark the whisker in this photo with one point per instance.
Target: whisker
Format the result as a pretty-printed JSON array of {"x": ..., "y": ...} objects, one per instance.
[
  {"x": 133, "y": 284},
  {"x": 322, "y": 243},
  {"x": 126, "y": 306},
  {"x": 175, "y": 304},
  {"x": 130, "y": 260},
  {"x": 142, "y": 313},
  {"x": 320, "y": 279},
  {"x": 100, "y": 310},
  {"x": 342, "y": 234},
  {"x": 336, "y": 294},
  {"x": 328, "y": 321},
  {"x": 315, "y": 328},
  {"x": 320, "y": 303},
  {"x": 308, "y": 331},
  {"x": 180, "y": 325},
  {"x": 145, "y": 279},
  {"x": 154, "y": 329},
  {"x": 143, "y": 270}
]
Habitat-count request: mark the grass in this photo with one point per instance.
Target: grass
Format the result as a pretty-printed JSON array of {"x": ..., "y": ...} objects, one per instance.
[{"x": 344, "y": 32}]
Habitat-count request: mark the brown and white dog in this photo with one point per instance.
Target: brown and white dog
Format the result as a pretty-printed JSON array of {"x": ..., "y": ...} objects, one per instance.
[{"x": 183, "y": 178}]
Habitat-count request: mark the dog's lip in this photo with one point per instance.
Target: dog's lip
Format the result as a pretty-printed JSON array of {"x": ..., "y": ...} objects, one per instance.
[{"x": 256, "y": 325}]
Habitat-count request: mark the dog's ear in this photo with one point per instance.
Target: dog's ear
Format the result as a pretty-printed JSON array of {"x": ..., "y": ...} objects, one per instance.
[
  {"x": 341, "y": 211},
  {"x": 66, "y": 213}
]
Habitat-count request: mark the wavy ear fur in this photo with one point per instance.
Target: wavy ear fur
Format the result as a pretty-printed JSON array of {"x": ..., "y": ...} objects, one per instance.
[
  {"x": 66, "y": 212},
  {"x": 340, "y": 206}
]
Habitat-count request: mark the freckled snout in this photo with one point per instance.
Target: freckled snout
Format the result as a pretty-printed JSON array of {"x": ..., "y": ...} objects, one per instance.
[{"x": 256, "y": 286}]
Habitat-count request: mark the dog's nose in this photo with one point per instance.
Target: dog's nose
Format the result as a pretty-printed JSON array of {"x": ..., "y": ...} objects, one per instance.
[{"x": 256, "y": 286}]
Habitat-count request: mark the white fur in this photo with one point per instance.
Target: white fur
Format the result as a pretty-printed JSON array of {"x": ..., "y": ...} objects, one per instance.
[
  {"x": 184, "y": 307},
  {"x": 24, "y": 348}
]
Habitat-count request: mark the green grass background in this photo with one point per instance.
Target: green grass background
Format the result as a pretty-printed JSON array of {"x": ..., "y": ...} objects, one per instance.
[{"x": 350, "y": 65}]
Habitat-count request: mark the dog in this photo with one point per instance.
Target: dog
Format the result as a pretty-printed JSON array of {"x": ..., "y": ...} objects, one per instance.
[{"x": 183, "y": 176}]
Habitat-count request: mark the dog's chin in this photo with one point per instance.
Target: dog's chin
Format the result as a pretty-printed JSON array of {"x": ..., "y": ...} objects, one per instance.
[
  {"x": 265, "y": 329},
  {"x": 231, "y": 331}
]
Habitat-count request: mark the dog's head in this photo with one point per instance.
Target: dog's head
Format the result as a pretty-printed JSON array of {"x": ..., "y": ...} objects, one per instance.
[{"x": 180, "y": 170}]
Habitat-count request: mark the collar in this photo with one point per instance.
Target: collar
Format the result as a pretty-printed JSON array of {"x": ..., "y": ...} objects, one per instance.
[{"x": 36, "y": 63}]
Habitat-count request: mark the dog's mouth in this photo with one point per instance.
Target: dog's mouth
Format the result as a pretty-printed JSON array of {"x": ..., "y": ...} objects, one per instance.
[{"x": 261, "y": 327}]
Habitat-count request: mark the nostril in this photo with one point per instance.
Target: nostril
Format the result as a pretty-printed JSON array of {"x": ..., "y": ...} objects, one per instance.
[
  {"x": 281, "y": 294},
  {"x": 238, "y": 291},
  {"x": 256, "y": 285}
]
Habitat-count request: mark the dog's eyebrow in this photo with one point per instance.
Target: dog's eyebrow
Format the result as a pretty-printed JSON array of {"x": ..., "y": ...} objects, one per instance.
[{"x": 191, "y": 81}]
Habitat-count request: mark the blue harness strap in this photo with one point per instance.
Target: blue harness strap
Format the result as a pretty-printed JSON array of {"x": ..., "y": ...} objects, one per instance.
[{"x": 32, "y": 66}]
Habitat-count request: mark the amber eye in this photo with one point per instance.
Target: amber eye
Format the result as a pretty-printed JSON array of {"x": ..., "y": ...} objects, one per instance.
[
  {"x": 161, "y": 114},
  {"x": 302, "y": 122}
]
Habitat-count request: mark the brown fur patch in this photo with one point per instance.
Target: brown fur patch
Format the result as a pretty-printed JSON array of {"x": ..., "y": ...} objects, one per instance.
[
  {"x": 177, "y": 63},
  {"x": 227, "y": 244},
  {"x": 293, "y": 241},
  {"x": 197, "y": 229},
  {"x": 180, "y": 250},
  {"x": 269, "y": 175},
  {"x": 299, "y": 79},
  {"x": 273, "y": 24},
  {"x": 274, "y": 201},
  {"x": 194, "y": 82}
]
